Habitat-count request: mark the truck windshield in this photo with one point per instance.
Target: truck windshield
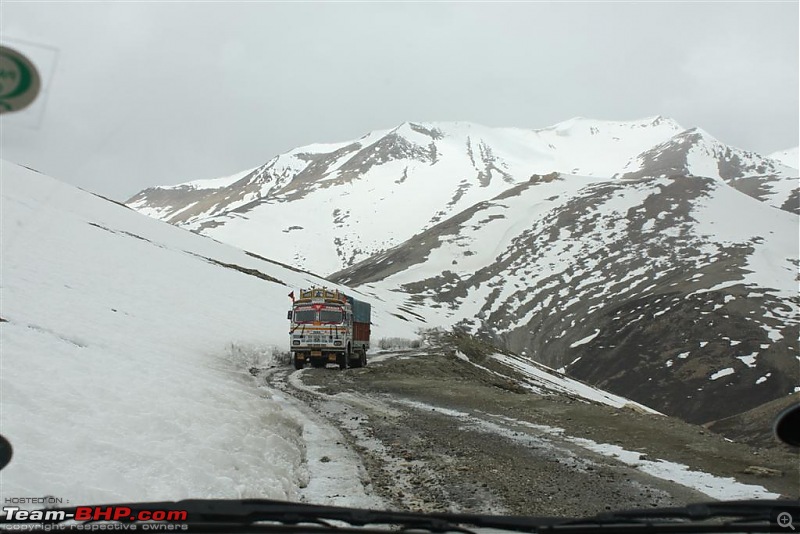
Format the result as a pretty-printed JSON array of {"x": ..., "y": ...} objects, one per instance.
[
  {"x": 330, "y": 315},
  {"x": 305, "y": 316}
]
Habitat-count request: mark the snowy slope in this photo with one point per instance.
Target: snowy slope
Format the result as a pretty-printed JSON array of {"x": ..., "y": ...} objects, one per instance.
[
  {"x": 697, "y": 153},
  {"x": 788, "y": 157},
  {"x": 355, "y": 199},
  {"x": 627, "y": 284},
  {"x": 125, "y": 349}
]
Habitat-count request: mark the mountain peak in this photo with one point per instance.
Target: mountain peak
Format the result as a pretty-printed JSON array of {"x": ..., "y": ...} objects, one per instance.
[
  {"x": 430, "y": 129},
  {"x": 661, "y": 120}
]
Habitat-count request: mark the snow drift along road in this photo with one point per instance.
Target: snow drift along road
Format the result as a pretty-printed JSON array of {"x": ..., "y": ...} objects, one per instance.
[{"x": 125, "y": 349}]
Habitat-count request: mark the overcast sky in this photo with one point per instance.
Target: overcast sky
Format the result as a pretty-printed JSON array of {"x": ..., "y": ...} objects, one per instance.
[{"x": 140, "y": 94}]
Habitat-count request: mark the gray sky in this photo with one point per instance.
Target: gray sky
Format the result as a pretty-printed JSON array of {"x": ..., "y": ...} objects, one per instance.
[{"x": 140, "y": 94}]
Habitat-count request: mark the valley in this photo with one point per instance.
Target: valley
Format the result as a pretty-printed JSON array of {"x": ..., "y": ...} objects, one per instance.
[{"x": 650, "y": 260}]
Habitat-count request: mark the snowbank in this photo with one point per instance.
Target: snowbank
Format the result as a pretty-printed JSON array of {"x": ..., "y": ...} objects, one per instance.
[{"x": 118, "y": 377}]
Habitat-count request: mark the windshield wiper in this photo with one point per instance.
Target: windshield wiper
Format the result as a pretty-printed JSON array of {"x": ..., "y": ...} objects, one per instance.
[
  {"x": 256, "y": 515},
  {"x": 755, "y": 515},
  {"x": 744, "y": 510}
]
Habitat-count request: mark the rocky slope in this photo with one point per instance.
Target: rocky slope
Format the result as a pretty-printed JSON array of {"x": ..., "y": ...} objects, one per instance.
[
  {"x": 678, "y": 292},
  {"x": 696, "y": 152}
]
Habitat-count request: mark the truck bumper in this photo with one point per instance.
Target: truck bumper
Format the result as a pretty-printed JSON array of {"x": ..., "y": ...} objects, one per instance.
[{"x": 327, "y": 354}]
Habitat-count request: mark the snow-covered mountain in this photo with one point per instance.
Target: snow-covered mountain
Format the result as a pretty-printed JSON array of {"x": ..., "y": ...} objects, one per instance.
[
  {"x": 613, "y": 250},
  {"x": 324, "y": 207},
  {"x": 678, "y": 292},
  {"x": 695, "y": 152}
]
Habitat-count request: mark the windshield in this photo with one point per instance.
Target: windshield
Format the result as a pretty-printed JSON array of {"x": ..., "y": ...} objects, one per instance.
[
  {"x": 331, "y": 315},
  {"x": 305, "y": 315},
  {"x": 523, "y": 258}
]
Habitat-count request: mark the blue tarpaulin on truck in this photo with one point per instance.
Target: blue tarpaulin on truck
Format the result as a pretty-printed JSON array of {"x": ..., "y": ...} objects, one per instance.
[{"x": 361, "y": 310}]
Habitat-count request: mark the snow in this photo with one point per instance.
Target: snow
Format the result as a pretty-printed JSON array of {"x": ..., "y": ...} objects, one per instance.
[
  {"x": 333, "y": 474},
  {"x": 722, "y": 488},
  {"x": 716, "y": 487},
  {"x": 461, "y": 356},
  {"x": 542, "y": 376},
  {"x": 749, "y": 361},
  {"x": 125, "y": 356},
  {"x": 585, "y": 340},
  {"x": 431, "y": 408},
  {"x": 507, "y": 227},
  {"x": 721, "y": 373},
  {"x": 602, "y": 148},
  {"x": 765, "y": 229},
  {"x": 773, "y": 334},
  {"x": 788, "y": 157},
  {"x": 701, "y": 162}
]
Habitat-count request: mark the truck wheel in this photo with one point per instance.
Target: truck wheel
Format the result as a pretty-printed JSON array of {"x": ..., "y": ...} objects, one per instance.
[
  {"x": 344, "y": 360},
  {"x": 299, "y": 364},
  {"x": 361, "y": 359}
]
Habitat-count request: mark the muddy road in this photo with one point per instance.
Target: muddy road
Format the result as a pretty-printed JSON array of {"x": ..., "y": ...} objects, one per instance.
[{"x": 434, "y": 432}]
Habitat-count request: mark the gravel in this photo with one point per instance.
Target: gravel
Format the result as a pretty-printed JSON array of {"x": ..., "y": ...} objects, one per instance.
[{"x": 437, "y": 434}]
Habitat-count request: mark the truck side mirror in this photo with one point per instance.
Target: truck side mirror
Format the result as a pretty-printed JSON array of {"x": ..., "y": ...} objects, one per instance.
[{"x": 289, "y": 315}]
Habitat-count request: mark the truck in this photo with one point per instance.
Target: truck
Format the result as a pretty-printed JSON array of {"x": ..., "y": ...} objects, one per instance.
[{"x": 328, "y": 326}]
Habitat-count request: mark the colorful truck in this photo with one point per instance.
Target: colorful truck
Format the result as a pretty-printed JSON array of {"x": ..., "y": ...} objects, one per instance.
[{"x": 328, "y": 326}]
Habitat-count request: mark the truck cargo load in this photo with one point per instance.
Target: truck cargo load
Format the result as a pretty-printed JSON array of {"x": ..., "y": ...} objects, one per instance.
[{"x": 361, "y": 310}]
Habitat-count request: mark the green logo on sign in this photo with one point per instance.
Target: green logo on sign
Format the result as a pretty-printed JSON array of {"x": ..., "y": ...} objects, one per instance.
[{"x": 19, "y": 81}]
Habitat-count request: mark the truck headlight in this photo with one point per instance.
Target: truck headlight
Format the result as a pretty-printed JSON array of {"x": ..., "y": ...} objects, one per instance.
[
  {"x": 337, "y": 343},
  {"x": 296, "y": 342}
]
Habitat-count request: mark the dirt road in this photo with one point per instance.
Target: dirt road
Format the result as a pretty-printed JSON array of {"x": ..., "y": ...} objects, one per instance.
[{"x": 436, "y": 433}]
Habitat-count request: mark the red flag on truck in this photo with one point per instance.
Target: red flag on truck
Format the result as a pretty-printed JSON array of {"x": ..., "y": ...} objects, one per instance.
[{"x": 291, "y": 296}]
